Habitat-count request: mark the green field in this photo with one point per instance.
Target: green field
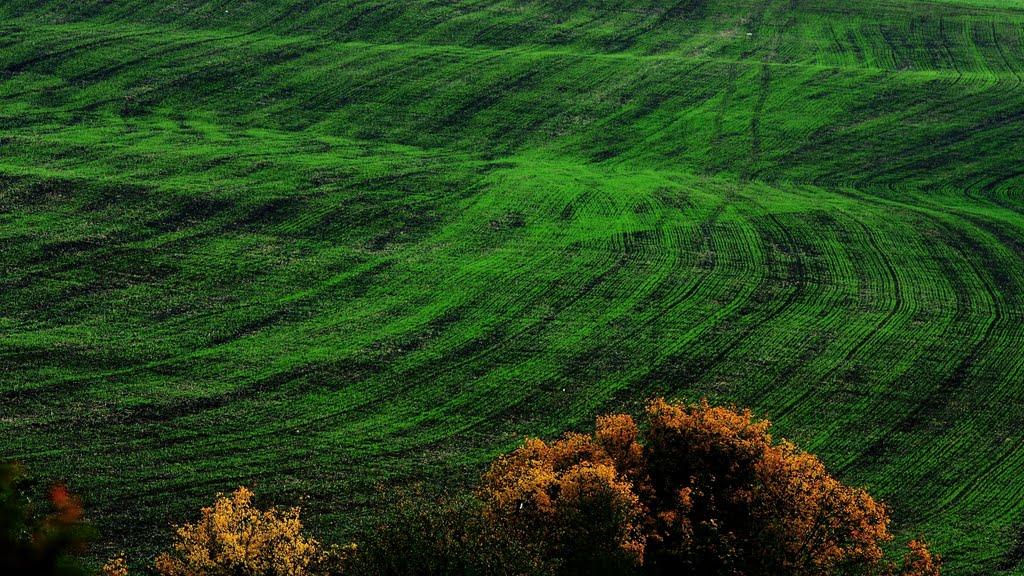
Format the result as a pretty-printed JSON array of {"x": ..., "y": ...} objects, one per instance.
[{"x": 315, "y": 245}]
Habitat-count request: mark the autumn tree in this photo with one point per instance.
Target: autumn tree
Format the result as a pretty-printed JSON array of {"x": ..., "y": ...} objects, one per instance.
[
  {"x": 730, "y": 500},
  {"x": 696, "y": 489},
  {"x": 570, "y": 495},
  {"x": 235, "y": 538}
]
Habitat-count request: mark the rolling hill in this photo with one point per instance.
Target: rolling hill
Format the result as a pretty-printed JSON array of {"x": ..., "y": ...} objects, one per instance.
[{"x": 319, "y": 245}]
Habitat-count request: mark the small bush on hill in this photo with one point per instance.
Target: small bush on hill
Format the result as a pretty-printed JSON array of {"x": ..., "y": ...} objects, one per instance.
[
  {"x": 438, "y": 535},
  {"x": 39, "y": 536},
  {"x": 116, "y": 566},
  {"x": 235, "y": 538}
]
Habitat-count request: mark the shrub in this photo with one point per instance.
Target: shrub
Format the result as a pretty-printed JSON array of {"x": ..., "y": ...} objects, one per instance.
[
  {"x": 920, "y": 561},
  {"x": 116, "y": 566},
  {"x": 39, "y": 536},
  {"x": 235, "y": 538},
  {"x": 443, "y": 535}
]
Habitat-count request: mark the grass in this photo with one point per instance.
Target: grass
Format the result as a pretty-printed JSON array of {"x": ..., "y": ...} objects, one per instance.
[{"x": 315, "y": 246}]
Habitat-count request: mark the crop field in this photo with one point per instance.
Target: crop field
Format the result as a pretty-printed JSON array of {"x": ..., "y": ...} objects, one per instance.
[{"x": 314, "y": 246}]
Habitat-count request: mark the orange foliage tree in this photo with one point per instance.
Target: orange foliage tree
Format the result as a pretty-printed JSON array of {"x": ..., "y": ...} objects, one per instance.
[
  {"x": 569, "y": 494},
  {"x": 697, "y": 489},
  {"x": 234, "y": 537},
  {"x": 920, "y": 561}
]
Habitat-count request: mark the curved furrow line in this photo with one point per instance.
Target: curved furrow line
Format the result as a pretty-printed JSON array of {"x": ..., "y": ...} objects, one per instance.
[
  {"x": 922, "y": 349},
  {"x": 939, "y": 449},
  {"x": 73, "y": 50},
  {"x": 945, "y": 41},
  {"x": 705, "y": 321},
  {"x": 802, "y": 331},
  {"x": 740, "y": 271},
  {"x": 755, "y": 315},
  {"x": 486, "y": 396},
  {"x": 894, "y": 281},
  {"x": 1001, "y": 375},
  {"x": 852, "y": 395},
  {"x": 1002, "y": 55},
  {"x": 510, "y": 340},
  {"x": 941, "y": 396},
  {"x": 535, "y": 330}
]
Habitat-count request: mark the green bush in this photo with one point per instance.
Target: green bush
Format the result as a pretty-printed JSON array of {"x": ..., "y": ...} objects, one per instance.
[{"x": 431, "y": 535}]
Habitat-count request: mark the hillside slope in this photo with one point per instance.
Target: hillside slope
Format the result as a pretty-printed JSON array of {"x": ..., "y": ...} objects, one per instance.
[{"x": 317, "y": 245}]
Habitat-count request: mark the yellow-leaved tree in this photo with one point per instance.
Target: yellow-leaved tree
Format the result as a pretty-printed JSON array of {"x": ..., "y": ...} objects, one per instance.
[{"x": 234, "y": 537}]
